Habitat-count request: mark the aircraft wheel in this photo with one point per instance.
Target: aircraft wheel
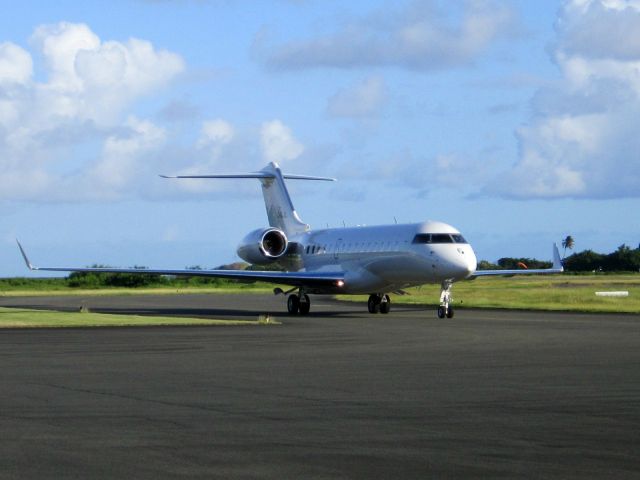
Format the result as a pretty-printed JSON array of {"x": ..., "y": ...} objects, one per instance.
[
  {"x": 373, "y": 304},
  {"x": 385, "y": 304},
  {"x": 304, "y": 304},
  {"x": 293, "y": 304},
  {"x": 450, "y": 312},
  {"x": 441, "y": 312}
]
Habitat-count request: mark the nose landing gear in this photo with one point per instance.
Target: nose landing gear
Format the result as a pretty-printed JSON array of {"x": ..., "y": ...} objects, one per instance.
[{"x": 445, "y": 309}]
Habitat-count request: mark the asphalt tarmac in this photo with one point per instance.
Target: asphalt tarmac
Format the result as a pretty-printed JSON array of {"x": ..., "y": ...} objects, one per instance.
[{"x": 337, "y": 394}]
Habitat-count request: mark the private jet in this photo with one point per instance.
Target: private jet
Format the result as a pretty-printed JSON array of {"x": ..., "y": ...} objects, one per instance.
[{"x": 370, "y": 260}]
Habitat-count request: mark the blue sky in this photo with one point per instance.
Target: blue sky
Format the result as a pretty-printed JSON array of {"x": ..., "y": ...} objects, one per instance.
[{"x": 514, "y": 121}]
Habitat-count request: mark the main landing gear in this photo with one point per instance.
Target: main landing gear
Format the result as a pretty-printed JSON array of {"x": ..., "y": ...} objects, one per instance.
[
  {"x": 445, "y": 309},
  {"x": 298, "y": 304},
  {"x": 379, "y": 303}
]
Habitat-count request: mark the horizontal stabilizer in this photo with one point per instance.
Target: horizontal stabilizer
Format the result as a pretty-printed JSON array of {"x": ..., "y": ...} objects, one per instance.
[
  {"x": 254, "y": 175},
  {"x": 280, "y": 210}
]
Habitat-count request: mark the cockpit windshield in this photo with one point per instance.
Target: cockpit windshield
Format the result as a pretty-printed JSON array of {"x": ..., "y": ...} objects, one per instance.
[{"x": 439, "y": 238}]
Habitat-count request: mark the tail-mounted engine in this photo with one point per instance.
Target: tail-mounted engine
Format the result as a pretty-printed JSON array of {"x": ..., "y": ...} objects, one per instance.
[{"x": 263, "y": 246}]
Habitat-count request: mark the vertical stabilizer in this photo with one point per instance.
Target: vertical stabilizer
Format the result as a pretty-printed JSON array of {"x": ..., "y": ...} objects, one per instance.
[{"x": 280, "y": 209}]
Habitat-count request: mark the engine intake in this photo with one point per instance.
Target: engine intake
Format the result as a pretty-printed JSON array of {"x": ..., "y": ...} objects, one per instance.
[{"x": 263, "y": 246}]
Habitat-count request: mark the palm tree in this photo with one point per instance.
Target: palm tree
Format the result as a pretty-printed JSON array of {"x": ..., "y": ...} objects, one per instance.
[{"x": 567, "y": 243}]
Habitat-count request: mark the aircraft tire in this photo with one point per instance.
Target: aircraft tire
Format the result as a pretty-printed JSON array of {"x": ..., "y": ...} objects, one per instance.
[
  {"x": 385, "y": 304},
  {"x": 293, "y": 304},
  {"x": 304, "y": 305},
  {"x": 373, "y": 304},
  {"x": 441, "y": 312},
  {"x": 450, "y": 312}
]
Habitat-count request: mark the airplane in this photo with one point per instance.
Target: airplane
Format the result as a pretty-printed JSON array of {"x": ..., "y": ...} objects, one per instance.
[{"x": 373, "y": 260}]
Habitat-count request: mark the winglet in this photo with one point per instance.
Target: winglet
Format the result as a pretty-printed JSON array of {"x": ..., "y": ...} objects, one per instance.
[
  {"x": 557, "y": 262},
  {"x": 24, "y": 255}
]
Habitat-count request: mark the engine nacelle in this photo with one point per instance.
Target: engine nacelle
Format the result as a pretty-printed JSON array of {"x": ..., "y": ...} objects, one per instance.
[{"x": 263, "y": 246}]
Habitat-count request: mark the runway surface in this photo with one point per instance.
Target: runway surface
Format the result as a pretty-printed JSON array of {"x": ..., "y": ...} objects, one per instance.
[{"x": 337, "y": 394}]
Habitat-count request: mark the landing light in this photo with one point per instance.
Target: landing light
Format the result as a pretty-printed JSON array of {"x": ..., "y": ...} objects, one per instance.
[{"x": 340, "y": 283}]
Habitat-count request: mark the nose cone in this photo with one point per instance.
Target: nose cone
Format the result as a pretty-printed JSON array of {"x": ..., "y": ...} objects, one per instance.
[
  {"x": 466, "y": 261},
  {"x": 472, "y": 261}
]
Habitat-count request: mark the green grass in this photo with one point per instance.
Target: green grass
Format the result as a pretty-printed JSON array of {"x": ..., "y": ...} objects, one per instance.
[
  {"x": 23, "y": 318},
  {"x": 554, "y": 292}
]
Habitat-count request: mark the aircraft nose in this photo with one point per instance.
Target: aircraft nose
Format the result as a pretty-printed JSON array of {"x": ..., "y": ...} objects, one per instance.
[{"x": 467, "y": 260}]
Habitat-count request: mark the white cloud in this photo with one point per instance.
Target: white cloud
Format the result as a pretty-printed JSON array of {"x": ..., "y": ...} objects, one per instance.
[
  {"x": 225, "y": 148},
  {"x": 362, "y": 100},
  {"x": 91, "y": 79},
  {"x": 583, "y": 140},
  {"x": 278, "y": 143},
  {"x": 217, "y": 146},
  {"x": 216, "y": 132},
  {"x": 123, "y": 158},
  {"x": 16, "y": 66},
  {"x": 442, "y": 171},
  {"x": 418, "y": 37},
  {"x": 601, "y": 29},
  {"x": 86, "y": 86},
  {"x": 60, "y": 44}
]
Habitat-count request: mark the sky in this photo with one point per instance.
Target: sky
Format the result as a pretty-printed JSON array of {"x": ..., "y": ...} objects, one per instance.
[{"x": 514, "y": 121}]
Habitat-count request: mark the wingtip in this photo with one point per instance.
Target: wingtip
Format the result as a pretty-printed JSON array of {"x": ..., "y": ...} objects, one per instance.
[
  {"x": 557, "y": 261},
  {"x": 24, "y": 256}
]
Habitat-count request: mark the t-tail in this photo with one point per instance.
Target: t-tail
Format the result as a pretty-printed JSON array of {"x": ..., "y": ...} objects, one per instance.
[{"x": 280, "y": 210}]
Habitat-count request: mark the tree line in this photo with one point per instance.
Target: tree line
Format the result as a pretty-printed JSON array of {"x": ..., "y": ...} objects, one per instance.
[
  {"x": 623, "y": 259},
  {"x": 141, "y": 280}
]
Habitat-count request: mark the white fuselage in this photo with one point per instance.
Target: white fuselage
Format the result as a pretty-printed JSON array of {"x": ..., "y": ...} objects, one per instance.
[{"x": 388, "y": 258}]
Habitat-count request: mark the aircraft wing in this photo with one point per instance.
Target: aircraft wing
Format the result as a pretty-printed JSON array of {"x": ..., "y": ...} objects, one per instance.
[
  {"x": 556, "y": 268},
  {"x": 296, "y": 279}
]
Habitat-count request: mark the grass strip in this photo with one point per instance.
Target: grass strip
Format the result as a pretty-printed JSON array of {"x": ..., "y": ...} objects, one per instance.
[{"x": 25, "y": 318}]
